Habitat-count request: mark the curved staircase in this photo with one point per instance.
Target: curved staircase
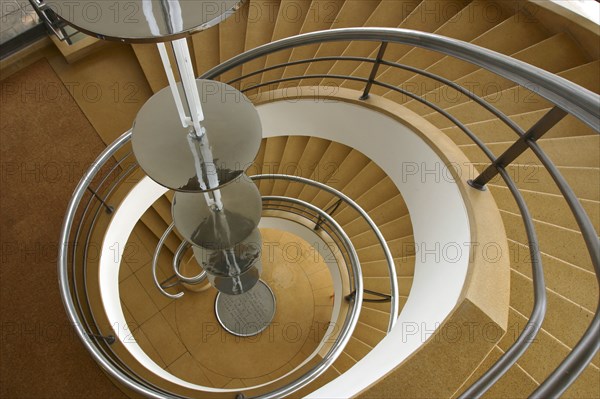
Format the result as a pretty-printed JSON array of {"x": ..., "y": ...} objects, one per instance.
[
  {"x": 559, "y": 43},
  {"x": 519, "y": 29},
  {"x": 335, "y": 164}
]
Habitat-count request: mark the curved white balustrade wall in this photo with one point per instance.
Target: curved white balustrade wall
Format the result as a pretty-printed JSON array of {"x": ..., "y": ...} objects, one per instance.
[
  {"x": 137, "y": 202},
  {"x": 437, "y": 211}
]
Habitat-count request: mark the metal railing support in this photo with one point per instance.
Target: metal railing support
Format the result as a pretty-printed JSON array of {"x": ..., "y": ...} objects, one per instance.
[
  {"x": 109, "y": 339},
  {"x": 577, "y": 101},
  {"x": 331, "y": 210},
  {"x": 386, "y": 250},
  {"x": 374, "y": 70},
  {"x": 382, "y": 298},
  {"x": 109, "y": 209},
  {"x": 536, "y": 318},
  {"x": 542, "y": 126}
]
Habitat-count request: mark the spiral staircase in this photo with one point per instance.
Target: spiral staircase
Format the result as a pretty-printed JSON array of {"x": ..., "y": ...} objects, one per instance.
[{"x": 464, "y": 111}]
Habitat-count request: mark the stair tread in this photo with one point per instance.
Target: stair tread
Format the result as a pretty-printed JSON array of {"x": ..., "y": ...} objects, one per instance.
[
  {"x": 389, "y": 14},
  {"x": 508, "y": 37},
  {"x": 428, "y": 16},
  {"x": 290, "y": 18},
  {"x": 206, "y": 49},
  {"x": 561, "y": 243},
  {"x": 566, "y": 152},
  {"x": 308, "y": 162},
  {"x": 554, "y": 210},
  {"x": 262, "y": 18},
  {"x": 494, "y": 130},
  {"x": 517, "y": 99},
  {"x": 294, "y": 149},
  {"x": 368, "y": 334},
  {"x": 483, "y": 82},
  {"x": 232, "y": 38},
  {"x": 321, "y": 16},
  {"x": 467, "y": 25},
  {"x": 352, "y": 14}
]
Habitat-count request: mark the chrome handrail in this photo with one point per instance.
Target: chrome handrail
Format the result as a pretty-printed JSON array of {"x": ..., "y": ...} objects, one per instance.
[
  {"x": 125, "y": 376},
  {"x": 574, "y": 99},
  {"x": 386, "y": 249},
  {"x": 282, "y": 210},
  {"x": 63, "y": 274},
  {"x": 570, "y": 97},
  {"x": 351, "y": 318},
  {"x": 184, "y": 246},
  {"x": 159, "y": 246}
]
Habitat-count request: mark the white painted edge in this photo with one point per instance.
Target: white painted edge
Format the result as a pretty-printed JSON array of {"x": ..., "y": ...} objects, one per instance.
[
  {"x": 437, "y": 211},
  {"x": 589, "y": 9},
  {"x": 135, "y": 204}
]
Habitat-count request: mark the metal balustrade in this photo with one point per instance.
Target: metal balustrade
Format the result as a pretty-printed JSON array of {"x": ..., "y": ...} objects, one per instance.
[
  {"x": 82, "y": 220},
  {"x": 568, "y": 98}
]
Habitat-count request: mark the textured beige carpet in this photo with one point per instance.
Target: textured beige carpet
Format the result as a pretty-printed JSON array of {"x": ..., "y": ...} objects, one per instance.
[{"x": 46, "y": 143}]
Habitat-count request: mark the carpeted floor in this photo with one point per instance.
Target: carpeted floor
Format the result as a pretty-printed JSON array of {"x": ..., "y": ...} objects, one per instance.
[{"x": 45, "y": 144}]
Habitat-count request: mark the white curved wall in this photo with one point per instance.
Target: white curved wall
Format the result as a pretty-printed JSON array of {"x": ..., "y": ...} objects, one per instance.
[
  {"x": 589, "y": 9},
  {"x": 136, "y": 203},
  {"x": 437, "y": 211}
]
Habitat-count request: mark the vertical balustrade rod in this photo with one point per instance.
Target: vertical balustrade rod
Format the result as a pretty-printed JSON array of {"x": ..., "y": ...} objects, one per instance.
[
  {"x": 109, "y": 339},
  {"x": 374, "y": 71},
  {"x": 109, "y": 209},
  {"x": 546, "y": 123},
  {"x": 331, "y": 210}
]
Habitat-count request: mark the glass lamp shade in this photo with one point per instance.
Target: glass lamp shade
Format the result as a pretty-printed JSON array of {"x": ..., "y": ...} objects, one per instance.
[
  {"x": 205, "y": 227},
  {"x": 239, "y": 284},
  {"x": 143, "y": 21},
  {"x": 162, "y": 147},
  {"x": 230, "y": 262}
]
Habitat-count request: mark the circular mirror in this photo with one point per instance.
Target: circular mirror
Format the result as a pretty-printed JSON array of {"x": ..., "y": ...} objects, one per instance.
[{"x": 142, "y": 21}]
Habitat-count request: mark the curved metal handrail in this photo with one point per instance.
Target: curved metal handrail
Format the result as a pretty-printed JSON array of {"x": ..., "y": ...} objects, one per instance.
[
  {"x": 63, "y": 276},
  {"x": 184, "y": 246},
  {"x": 522, "y": 343},
  {"x": 159, "y": 246},
  {"x": 386, "y": 250},
  {"x": 394, "y": 290},
  {"x": 571, "y": 98},
  {"x": 309, "y": 217},
  {"x": 566, "y": 95},
  {"x": 351, "y": 318},
  {"x": 122, "y": 375}
]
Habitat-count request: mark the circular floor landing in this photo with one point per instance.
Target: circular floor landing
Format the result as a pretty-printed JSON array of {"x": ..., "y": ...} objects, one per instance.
[{"x": 211, "y": 356}]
